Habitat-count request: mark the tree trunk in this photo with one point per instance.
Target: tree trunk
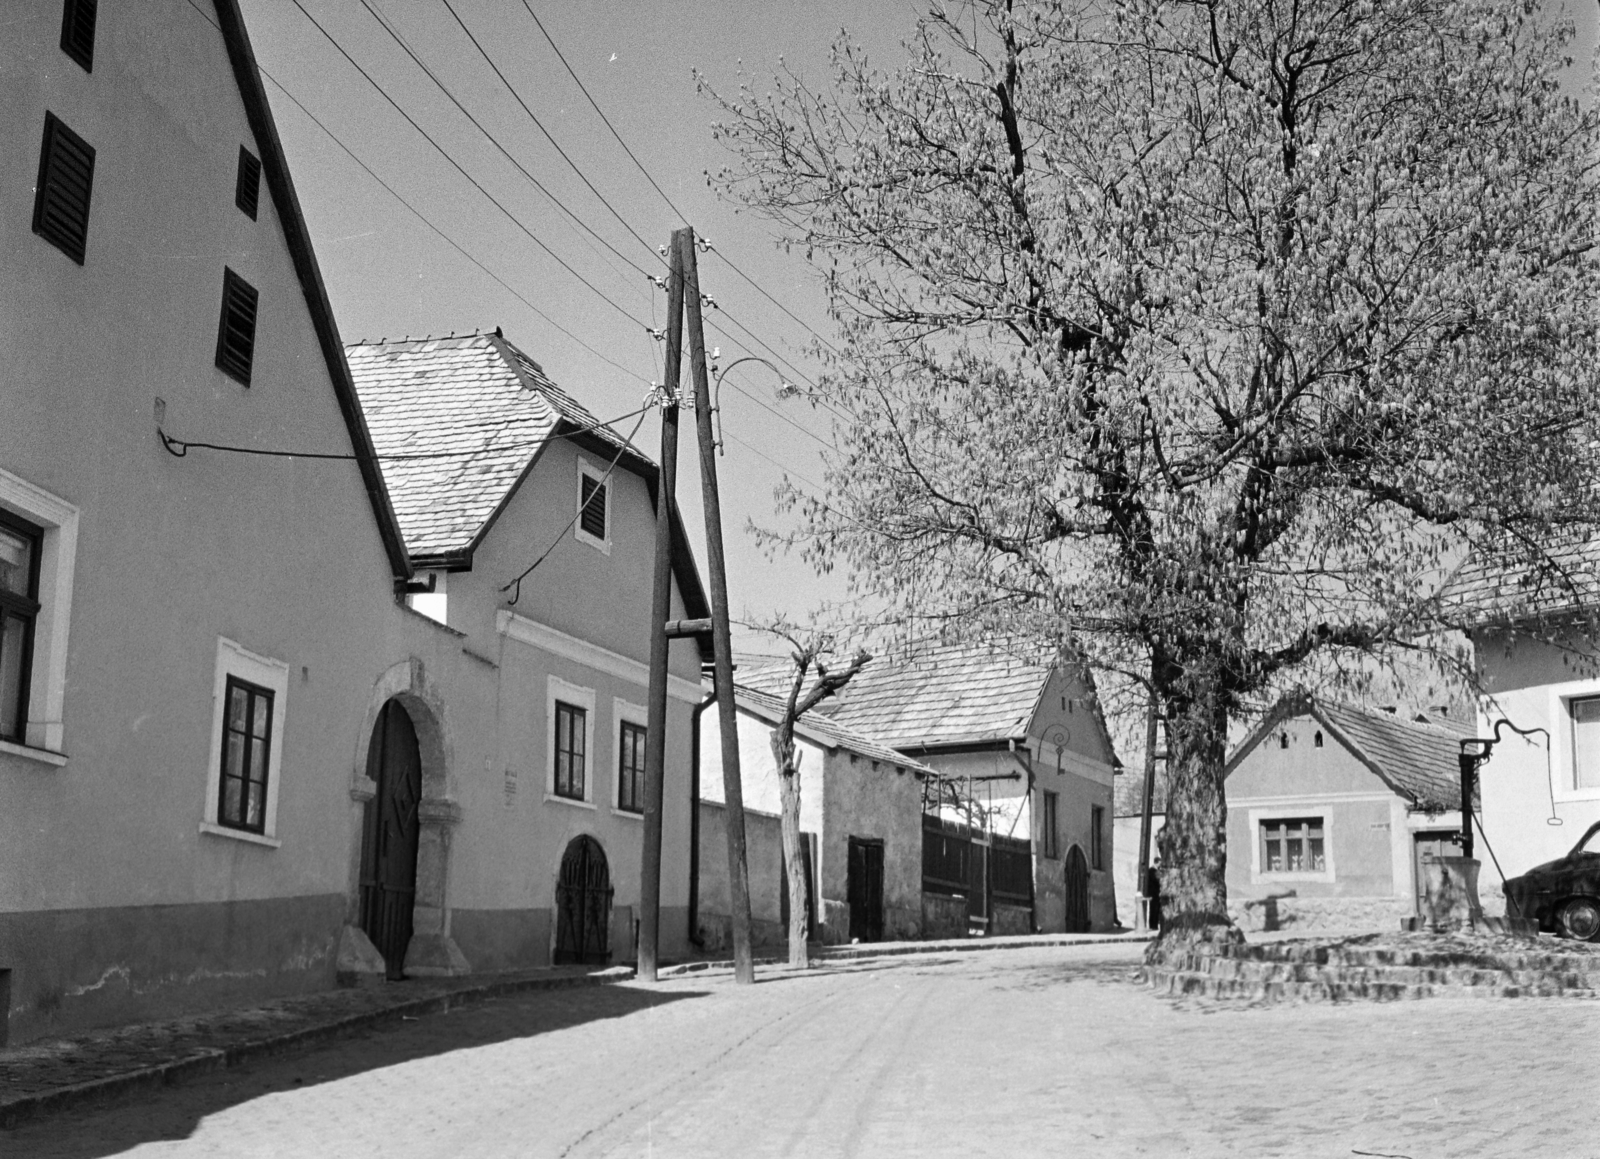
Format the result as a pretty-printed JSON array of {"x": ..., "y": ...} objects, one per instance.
[
  {"x": 788, "y": 763},
  {"x": 1193, "y": 842}
]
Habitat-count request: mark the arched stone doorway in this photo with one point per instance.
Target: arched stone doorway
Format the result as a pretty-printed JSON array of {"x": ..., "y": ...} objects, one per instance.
[
  {"x": 583, "y": 905},
  {"x": 390, "y": 831},
  {"x": 431, "y": 951},
  {"x": 1077, "y": 891}
]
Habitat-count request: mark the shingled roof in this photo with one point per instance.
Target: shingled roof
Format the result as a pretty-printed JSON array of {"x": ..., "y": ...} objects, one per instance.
[
  {"x": 1565, "y": 580},
  {"x": 823, "y": 729},
  {"x": 1417, "y": 760},
  {"x": 946, "y": 695},
  {"x": 485, "y": 409}
]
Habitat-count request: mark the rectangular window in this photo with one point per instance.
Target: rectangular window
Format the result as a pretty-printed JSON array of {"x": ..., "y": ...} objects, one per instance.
[
  {"x": 61, "y": 197},
  {"x": 246, "y": 747},
  {"x": 1585, "y": 742},
  {"x": 77, "y": 31},
  {"x": 236, "y": 332},
  {"x": 1292, "y": 845},
  {"x": 1049, "y": 833},
  {"x": 19, "y": 608},
  {"x": 571, "y": 723},
  {"x": 630, "y": 768},
  {"x": 1097, "y": 837},
  {"x": 247, "y": 190},
  {"x": 592, "y": 505}
]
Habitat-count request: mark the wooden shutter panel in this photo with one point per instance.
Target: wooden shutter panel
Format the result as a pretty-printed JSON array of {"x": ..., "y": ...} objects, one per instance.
[
  {"x": 593, "y": 497},
  {"x": 77, "y": 31},
  {"x": 247, "y": 193},
  {"x": 236, "y": 332},
  {"x": 61, "y": 202}
]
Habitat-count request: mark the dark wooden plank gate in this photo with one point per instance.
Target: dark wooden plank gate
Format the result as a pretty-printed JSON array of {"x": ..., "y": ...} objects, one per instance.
[
  {"x": 865, "y": 889},
  {"x": 389, "y": 836},
  {"x": 583, "y": 905}
]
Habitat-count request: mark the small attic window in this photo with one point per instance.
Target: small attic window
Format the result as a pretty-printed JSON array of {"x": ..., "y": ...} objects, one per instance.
[
  {"x": 1283, "y": 740},
  {"x": 77, "y": 31},
  {"x": 1317, "y": 740},
  {"x": 61, "y": 200},
  {"x": 236, "y": 331},
  {"x": 593, "y": 521},
  {"x": 247, "y": 190}
]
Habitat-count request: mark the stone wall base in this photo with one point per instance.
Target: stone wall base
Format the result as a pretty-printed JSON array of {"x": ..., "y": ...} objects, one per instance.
[{"x": 1320, "y": 913}]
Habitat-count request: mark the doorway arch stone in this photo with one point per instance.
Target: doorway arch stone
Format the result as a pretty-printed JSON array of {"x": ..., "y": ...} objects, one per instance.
[{"x": 432, "y": 951}]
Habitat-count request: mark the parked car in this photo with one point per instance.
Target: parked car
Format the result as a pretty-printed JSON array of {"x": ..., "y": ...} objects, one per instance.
[{"x": 1563, "y": 895}]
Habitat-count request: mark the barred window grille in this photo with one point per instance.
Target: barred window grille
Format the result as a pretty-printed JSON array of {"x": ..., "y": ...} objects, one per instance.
[
  {"x": 247, "y": 190},
  {"x": 77, "y": 31},
  {"x": 61, "y": 200},
  {"x": 236, "y": 331}
]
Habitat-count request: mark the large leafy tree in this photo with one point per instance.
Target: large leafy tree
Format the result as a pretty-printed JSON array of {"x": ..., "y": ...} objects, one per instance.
[{"x": 1207, "y": 335}]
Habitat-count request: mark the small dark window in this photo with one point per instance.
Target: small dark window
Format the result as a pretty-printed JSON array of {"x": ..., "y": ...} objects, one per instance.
[
  {"x": 630, "y": 768},
  {"x": 571, "y": 722},
  {"x": 1283, "y": 740},
  {"x": 19, "y": 608},
  {"x": 61, "y": 202},
  {"x": 1317, "y": 740},
  {"x": 236, "y": 332},
  {"x": 247, "y": 193},
  {"x": 1097, "y": 837},
  {"x": 77, "y": 31},
  {"x": 592, "y": 506},
  {"x": 246, "y": 748}
]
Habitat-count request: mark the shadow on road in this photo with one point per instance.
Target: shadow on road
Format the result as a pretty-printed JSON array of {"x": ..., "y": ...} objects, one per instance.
[{"x": 173, "y": 1113}]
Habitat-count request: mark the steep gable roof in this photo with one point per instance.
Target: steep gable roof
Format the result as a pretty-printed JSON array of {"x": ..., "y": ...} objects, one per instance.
[
  {"x": 821, "y": 728},
  {"x": 275, "y": 168},
  {"x": 946, "y": 695},
  {"x": 1416, "y": 760}
]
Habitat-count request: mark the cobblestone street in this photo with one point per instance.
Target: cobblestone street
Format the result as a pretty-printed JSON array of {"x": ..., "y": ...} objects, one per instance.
[{"x": 1017, "y": 1052}]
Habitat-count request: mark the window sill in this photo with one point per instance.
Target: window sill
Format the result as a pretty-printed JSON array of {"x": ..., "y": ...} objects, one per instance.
[
  {"x": 1565, "y": 796},
  {"x": 42, "y": 756},
  {"x": 619, "y": 811},
  {"x": 556, "y": 798},
  {"x": 1269, "y": 878},
  {"x": 240, "y": 835}
]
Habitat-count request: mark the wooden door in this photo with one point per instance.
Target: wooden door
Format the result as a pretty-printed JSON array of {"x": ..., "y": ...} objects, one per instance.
[
  {"x": 1425, "y": 847},
  {"x": 1077, "y": 892},
  {"x": 865, "y": 889},
  {"x": 583, "y": 905},
  {"x": 389, "y": 837}
]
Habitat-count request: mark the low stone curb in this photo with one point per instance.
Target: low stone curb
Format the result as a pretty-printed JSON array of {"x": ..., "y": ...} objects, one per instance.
[
  {"x": 974, "y": 945},
  {"x": 197, "y": 1062}
]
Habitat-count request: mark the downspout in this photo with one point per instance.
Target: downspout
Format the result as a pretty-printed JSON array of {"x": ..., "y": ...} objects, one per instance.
[
  {"x": 694, "y": 818},
  {"x": 1033, "y": 857}
]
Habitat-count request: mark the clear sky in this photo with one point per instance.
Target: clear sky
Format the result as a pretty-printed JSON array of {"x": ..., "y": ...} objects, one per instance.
[{"x": 391, "y": 275}]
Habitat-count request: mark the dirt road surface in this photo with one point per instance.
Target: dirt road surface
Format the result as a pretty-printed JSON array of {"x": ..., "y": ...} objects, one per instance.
[{"x": 1049, "y": 1052}]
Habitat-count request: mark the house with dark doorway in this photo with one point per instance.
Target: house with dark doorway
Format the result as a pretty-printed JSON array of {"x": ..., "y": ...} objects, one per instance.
[
  {"x": 530, "y": 527},
  {"x": 1017, "y": 814},
  {"x": 1332, "y": 811},
  {"x": 860, "y": 820}
]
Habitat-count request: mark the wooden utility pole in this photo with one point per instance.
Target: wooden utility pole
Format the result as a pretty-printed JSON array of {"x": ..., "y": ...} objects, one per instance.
[
  {"x": 721, "y": 634},
  {"x": 655, "y": 740},
  {"x": 1141, "y": 919}
]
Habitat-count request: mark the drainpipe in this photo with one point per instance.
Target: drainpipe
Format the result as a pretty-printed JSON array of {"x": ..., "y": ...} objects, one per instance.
[
  {"x": 694, "y": 818},
  {"x": 1033, "y": 888}
]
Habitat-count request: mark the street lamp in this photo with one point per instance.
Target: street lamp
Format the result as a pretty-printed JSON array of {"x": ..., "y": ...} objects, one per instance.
[{"x": 786, "y": 389}]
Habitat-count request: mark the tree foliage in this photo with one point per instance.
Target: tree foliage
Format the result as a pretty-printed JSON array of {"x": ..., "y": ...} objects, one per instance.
[{"x": 1205, "y": 336}]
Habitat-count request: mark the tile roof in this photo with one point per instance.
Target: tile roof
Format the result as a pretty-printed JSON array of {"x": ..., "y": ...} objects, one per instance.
[
  {"x": 485, "y": 404},
  {"x": 821, "y": 728},
  {"x": 1417, "y": 760},
  {"x": 945, "y": 695},
  {"x": 1567, "y": 579}
]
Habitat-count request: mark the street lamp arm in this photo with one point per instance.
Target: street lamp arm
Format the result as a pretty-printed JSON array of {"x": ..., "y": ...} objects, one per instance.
[{"x": 716, "y": 387}]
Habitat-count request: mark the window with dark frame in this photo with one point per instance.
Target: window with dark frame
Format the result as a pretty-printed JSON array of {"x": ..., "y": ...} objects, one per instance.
[
  {"x": 246, "y": 753},
  {"x": 570, "y": 745},
  {"x": 19, "y": 609},
  {"x": 236, "y": 331},
  {"x": 1050, "y": 835},
  {"x": 1097, "y": 837},
  {"x": 77, "y": 31},
  {"x": 592, "y": 505},
  {"x": 630, "y": 768},
  {"x": 61, "y": 198},
  {"x": 1585, "y": 742},
  {"x": 1292, "y": 845},
  {"x": 247, "y": 189}
]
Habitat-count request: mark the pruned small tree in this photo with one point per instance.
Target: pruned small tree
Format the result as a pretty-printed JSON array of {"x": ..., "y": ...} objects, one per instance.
[
  {"x": 1205, "y": 337},
  {"x": 807, "y": 656}
]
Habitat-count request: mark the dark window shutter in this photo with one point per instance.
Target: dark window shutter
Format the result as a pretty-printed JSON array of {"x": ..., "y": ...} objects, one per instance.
[
  {"x": 247, "y": 194},
  {"x": 593, "y": 497},
  {"x": 77, "y": 31},
  {"x": 236, "y": 332},
  {"x": 61, "y": 203}
]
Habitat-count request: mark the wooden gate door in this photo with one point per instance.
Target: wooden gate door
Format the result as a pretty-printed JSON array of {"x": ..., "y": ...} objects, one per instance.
[
  {"x": 1077, "y": 892},
  {"x": 389, "y": 837},
  {"x": 1427, "y": 846},
  {"x": 583, "y": 905},
  {"x": 865, "y": 889}
]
